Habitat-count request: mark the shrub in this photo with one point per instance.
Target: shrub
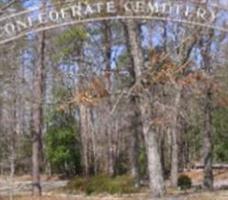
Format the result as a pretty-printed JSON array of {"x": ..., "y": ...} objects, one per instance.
[
  {"x": 102, "y": 184},
  {"x": 77, "y": 184},
  {"x": 184, "y": 182},
  {"x": 62, "y": 146}
]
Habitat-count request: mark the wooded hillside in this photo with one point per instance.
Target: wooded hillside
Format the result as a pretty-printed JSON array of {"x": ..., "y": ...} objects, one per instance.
[{"x": 127, "y": 102}]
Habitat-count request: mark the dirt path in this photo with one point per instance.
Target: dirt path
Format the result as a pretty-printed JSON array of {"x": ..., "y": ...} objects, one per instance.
[{"x": 24, "y": 187}]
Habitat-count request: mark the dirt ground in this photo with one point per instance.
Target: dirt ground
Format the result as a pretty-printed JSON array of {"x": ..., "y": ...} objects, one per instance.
[
  {"x": 220, "y": 178},
  {"x": 197, "y": 175},
  {"x": 218, "y": 195},
  {"x": 22, "y": 189}
]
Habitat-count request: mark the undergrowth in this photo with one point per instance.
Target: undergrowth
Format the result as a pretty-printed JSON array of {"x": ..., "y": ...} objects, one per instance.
[{"x": 102, "y": 184}]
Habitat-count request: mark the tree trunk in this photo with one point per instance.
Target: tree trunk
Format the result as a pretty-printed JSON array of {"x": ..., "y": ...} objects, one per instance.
[
  {"x": 154, "y": 161},
  {"x": 134, "y": 149},
  {"x": 15, "y": 131},
  {"x": 208, "y": 128},
  {"x": 38, "y": 117},
  {"x": 84, "y": 133},
  {"x": 154, "y": 165},
  {"x": 12, "y": 167},
  {"x": 208, "y": 144},
  {"x": 136, "y": 125},
  {"x": 174, "y": 130},
  {"x": 108, "y": 61}
]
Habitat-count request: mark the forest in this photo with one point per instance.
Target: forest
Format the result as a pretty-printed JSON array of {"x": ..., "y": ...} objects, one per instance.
[{"x": 124, "y": 100}]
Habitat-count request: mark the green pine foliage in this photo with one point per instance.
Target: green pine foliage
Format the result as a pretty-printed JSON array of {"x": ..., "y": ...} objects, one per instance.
[
  {"x": 69, "y": 42},
  {"x": 62, "y": 143}
]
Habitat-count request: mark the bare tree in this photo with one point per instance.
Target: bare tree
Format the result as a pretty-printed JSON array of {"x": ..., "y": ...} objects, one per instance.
[
  {"x": 153, "y": 157},
  {"x": 38, "y": 114}
]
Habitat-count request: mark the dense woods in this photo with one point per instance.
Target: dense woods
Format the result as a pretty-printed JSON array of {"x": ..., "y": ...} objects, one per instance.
[{"x": 145, "y": 100}]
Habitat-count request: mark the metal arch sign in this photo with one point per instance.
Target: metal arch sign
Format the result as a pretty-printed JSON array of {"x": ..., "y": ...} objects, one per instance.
[{"x": 195, "y": 13}]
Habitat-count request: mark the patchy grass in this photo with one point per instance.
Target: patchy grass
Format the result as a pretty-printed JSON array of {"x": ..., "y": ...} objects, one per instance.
[
  {"x": 219, "y": 195},
  {"x": 35, "y": 198},
  {"x": 102, "y": 184}
]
